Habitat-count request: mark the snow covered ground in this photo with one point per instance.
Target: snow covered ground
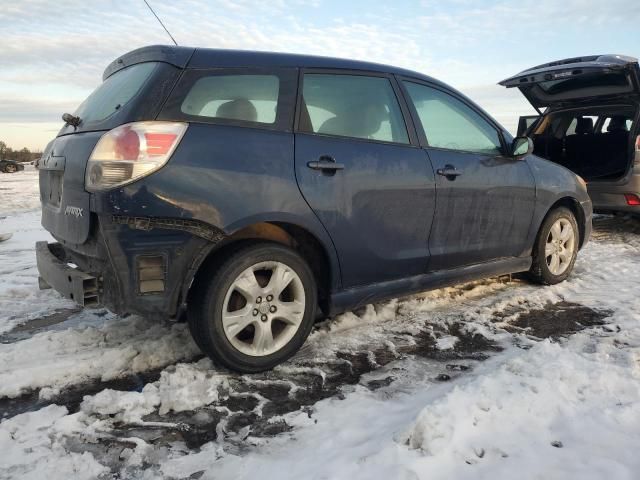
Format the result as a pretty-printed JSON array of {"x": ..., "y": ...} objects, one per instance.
[
  {"x": 20, "y": 299},
  {"x": 492, "y": 379}
]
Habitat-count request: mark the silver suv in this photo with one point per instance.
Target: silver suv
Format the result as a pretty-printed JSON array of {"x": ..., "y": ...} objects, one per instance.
[{"x": 589, "y": 123}]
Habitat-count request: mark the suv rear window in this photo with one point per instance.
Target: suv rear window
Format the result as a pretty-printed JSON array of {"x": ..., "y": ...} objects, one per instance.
[
  {"x": 252, "y": 97},
  {"x": 115, "y": 92}
]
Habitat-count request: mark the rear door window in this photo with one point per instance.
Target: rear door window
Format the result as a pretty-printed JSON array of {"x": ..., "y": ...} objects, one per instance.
[
  {"x": 246, "y": 97},
  {"x": 356, "y": 106}
]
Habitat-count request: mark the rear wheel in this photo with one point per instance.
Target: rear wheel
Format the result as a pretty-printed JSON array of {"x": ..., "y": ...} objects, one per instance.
[
  {"x": 556, "y": 248},
  {"x": 10, "y": 168},
  {"x": 256, "y": 309}
]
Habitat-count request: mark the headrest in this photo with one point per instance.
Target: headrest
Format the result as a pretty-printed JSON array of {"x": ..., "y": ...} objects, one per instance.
[
  {"x": 360, "y": 121},
  {"x": 584, "y": 126},
  {"x": 617, "y": 124},
  {"x": 238, "y": 109}
]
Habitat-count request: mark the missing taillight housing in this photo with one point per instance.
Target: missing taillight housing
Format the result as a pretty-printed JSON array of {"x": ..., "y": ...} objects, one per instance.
[
  {"x": 130, "y": 152},
  {"x": 152, "y": 272}
]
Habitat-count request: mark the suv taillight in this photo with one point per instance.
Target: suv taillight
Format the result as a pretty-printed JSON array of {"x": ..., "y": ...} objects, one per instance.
[{"x": 130, "y": 152}]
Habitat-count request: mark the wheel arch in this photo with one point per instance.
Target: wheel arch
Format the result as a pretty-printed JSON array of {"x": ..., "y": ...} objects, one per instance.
[
  {"x": 300, "y": 239},
  {"x": 574, "y": 206}
]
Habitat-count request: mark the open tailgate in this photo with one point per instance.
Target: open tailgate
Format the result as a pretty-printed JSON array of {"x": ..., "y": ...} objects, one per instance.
[{"x": 576, "y": 79}]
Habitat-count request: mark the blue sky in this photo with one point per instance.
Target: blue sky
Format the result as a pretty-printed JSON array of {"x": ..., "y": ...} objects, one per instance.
[{"x": 53, "y": 53}]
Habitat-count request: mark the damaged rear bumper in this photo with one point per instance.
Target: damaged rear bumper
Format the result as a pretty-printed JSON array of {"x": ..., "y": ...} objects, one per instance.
[
  {"x": 69, "y": 281},
  {"x": 129, "y": 264}
]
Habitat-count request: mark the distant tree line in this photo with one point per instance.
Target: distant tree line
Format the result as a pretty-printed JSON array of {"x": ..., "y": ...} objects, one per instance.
[{"x": 24, "y": 155}]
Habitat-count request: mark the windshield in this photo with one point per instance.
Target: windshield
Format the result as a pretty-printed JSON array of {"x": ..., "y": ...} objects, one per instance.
[{"x": 115, "y": 92}]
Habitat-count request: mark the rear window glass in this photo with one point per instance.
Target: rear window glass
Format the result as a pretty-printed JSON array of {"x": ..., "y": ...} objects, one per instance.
[
  {"x": 588, "y": 124},
  {"x": 115, "y": 92},
  {"x": 249, "y": 98},
  {"x": 618, "y": 124}
]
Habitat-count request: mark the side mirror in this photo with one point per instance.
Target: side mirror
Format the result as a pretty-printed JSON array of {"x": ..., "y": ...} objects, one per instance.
[{"x": 521, "y": 147}]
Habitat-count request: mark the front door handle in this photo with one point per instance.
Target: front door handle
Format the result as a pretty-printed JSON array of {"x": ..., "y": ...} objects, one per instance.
[
  {"x": 326, "y": 164},
  {"x": 449, "y": 171}
]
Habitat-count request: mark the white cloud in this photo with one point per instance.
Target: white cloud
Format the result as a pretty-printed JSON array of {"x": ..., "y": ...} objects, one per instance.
[{"x": 53, "y": 53}]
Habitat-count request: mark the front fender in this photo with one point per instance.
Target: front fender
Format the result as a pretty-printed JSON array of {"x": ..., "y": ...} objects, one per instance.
[{"x": 555, "y": 183}]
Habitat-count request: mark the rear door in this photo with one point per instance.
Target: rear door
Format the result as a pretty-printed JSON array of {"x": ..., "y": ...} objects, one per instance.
[
  {"x": 484, "y": 199},
  {"x": 580, "y": 78},
  {"x": 65, "y": 203},
  {"x": 360, "y": 169}
]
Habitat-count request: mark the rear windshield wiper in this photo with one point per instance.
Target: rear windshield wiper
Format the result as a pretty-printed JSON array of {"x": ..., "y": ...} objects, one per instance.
[{"x": 72, "y": 120}]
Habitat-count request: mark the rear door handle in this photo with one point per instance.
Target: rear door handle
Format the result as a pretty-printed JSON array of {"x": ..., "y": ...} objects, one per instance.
[
  {"x": 449, "y": 171},
  {"x": 326, "y": 164}
]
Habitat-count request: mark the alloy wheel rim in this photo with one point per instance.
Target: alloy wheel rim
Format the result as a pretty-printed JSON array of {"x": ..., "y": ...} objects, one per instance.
[
  {"x": 11, "y": 168},
  {"x": 560, "y": 246},
  {"x": 263, "y": 308}
]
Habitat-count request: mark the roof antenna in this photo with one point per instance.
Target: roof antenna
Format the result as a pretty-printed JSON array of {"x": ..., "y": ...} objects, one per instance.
[{"x": 158, "y": 18}]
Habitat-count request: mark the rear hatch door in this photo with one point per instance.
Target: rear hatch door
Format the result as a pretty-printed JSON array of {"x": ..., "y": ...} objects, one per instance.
[
  {"x": 65, "y": 204},
  {"x": 577, "y": 79},
  {"x": 130, "y": 92}
]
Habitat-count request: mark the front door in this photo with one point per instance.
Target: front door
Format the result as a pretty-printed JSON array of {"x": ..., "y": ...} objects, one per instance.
[
  {"x": 485, "y": 200},
  {"x": 358, "y": 170}
]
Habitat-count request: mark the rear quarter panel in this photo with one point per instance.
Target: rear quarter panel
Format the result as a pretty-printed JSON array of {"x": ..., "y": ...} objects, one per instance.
[{"x": 227, "y": 177}]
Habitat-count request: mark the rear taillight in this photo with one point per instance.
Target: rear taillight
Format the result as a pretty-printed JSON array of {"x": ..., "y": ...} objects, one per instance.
[
  {"x": 130, "y": 152},
  {"x": 632, "y": 199}
]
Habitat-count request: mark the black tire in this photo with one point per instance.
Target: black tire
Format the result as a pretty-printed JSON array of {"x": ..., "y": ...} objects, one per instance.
[
  {"x": 10, "y": 169},
  {"x": 206, "y": 304},
  {"x": 540, "y": 271}
]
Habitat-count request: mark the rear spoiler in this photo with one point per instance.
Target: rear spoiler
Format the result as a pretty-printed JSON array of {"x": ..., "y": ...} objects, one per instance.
[{"x": 177, "y": 56}]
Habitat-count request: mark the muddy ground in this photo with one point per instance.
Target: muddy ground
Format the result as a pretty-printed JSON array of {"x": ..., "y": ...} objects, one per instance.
[{"x": 255, "y": 404}]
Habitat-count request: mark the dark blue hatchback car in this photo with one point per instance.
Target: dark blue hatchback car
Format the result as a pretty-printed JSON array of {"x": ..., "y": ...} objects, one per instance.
[{"x": 256, "y": 191}]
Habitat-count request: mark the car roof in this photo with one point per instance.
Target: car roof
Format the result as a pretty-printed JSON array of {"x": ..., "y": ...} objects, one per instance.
[
  {"x": 214, "y": 57},
  {"x": 189, "y": 57}
]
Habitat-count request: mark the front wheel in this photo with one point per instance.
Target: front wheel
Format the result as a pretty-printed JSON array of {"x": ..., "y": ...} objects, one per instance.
[
  {"x": 556, "y": 248},
  {"x": 10, "y": 169},
  {"x": 256, "y": 309}
]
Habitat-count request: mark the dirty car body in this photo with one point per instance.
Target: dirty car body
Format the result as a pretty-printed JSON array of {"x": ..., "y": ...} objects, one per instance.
[{"x": 375, "y": 215}]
